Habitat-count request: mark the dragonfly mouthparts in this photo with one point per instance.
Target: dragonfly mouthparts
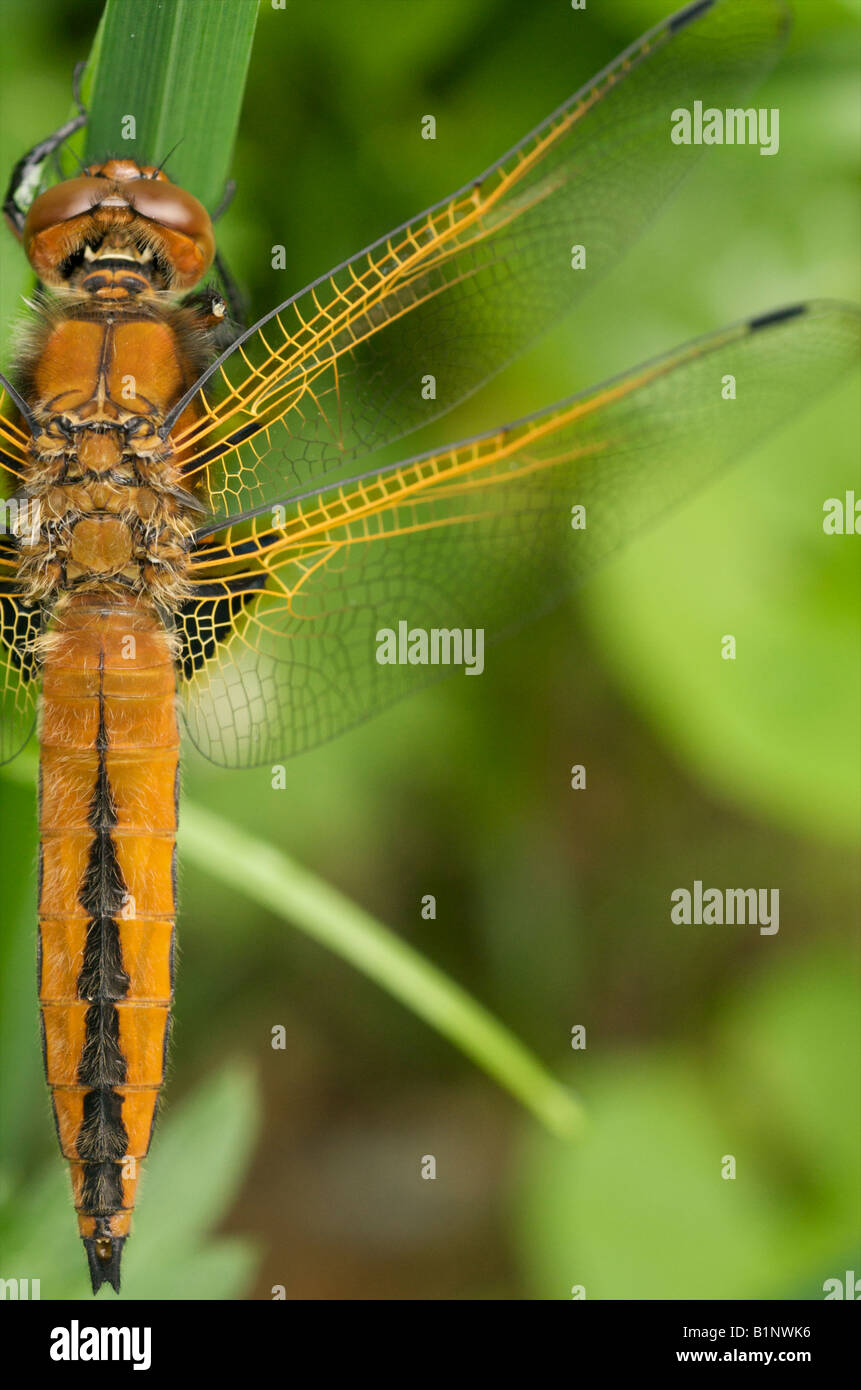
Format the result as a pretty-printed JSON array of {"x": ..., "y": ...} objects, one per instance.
[{"x": 116, "y": 253}]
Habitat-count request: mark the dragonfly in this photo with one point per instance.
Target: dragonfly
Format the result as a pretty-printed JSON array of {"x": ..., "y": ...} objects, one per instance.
[{"x": 206, "y": 533}]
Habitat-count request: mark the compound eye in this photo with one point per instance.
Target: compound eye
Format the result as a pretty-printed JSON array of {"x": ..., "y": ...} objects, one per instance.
[
  {"x": 169, "y": 206},
  {"x": 60, "y": 203},
  {"x": 189, "y": 242}
]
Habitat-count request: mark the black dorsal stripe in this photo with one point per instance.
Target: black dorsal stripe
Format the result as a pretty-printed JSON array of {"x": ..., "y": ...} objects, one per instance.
[
  {"x": 102, "y": 1061},
  {"x": 103, "y": 892},
  {"x": 102, "y": 1192},
  {"x": 102, "y": 975},
  {"x": 102, "y": 1139},
  {"x": 102, "y": 1135}
]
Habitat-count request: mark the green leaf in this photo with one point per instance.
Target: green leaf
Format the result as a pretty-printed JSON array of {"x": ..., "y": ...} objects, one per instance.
[
  {"x": 793, "y": 1048},
  {"x": 641, "y": 1209},
  {"x": 222, "y": 1269},
  {"x": 188, "y": 1185},
  {"x": 179, "y": 72},
  {"x": 191, "y": 1178},
  {"x": 20, "y": 1074}
]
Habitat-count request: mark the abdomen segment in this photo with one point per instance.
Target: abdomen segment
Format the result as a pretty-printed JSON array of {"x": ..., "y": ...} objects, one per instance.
[{"x": 107, "y": 900}]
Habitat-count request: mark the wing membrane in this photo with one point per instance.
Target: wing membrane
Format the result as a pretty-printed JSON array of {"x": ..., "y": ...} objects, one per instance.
[
  {"x": 20, "y": 622},
  {"x": 343, "y": 368},
  {"x": 20, "y": 625},
  {"x": 281, "y": 640}
]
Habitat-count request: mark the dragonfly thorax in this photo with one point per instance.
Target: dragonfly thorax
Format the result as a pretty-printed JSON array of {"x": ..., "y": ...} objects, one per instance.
[{"x": 102, "y": 516}]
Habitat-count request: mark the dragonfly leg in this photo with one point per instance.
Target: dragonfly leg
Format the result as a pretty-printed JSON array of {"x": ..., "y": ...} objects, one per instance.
[
  {"x": 226, "y": 200},
  {"x": 236, "y": 300},
  {"x": 25, "y": 177},
  {"x": 214, "y": 314}
]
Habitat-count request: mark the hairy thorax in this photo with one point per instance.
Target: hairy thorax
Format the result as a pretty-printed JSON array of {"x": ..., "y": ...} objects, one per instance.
[{"x": 105, "y": 506}]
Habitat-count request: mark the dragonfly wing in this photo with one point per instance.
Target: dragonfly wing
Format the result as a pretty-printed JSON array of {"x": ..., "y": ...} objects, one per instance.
[
  {"x": 20, "y": 625},
  {"x": 398, "y": 335},
  {"x": 14, "y": 442},
  {"x": 280, "y": 644}
]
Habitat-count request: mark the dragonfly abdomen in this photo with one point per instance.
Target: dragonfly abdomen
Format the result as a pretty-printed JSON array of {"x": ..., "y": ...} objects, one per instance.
[{"x": 107, "y": 899}]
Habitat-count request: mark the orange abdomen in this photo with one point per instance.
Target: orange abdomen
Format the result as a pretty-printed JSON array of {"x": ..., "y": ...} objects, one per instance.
[{"x": 107, "y": 899}]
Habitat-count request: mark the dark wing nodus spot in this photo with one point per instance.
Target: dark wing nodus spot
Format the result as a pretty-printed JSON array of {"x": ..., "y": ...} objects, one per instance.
[
  {"x": 689, "y": 14},
  {"x": 793, "y": 311}
]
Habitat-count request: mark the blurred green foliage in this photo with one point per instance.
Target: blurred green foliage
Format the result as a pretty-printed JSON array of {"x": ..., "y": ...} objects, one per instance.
[
  {"x": 643, "y": 1210},
  {"x": 552, "y": 905}
]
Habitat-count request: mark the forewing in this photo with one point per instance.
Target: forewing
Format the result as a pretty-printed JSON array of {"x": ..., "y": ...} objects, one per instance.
[
  {"x": 13, "y": 446},
  {"x": 396, "y": 336},
  {"x": 280, "y": 644}
]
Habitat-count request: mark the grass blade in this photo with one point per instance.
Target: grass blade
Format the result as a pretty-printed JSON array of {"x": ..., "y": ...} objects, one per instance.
[
  {"x": 267, "y": 876},
  {"x": 171, "y": 76}
]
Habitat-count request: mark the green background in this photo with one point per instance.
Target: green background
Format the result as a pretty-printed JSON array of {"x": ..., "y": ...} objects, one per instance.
[{"x": 301, "y": 1168}]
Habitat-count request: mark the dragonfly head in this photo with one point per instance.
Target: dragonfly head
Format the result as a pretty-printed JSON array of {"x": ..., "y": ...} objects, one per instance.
[{"x": 114, "y": 213}]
